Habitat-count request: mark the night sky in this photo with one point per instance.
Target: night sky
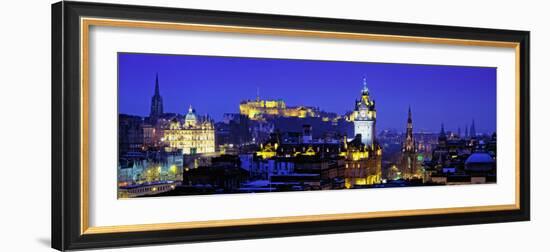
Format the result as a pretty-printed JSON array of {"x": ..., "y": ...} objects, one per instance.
[{"x": 453, "y": 95}]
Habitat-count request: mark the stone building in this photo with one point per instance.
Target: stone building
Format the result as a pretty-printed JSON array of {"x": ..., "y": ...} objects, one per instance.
[{"x": 195, "y": 135}]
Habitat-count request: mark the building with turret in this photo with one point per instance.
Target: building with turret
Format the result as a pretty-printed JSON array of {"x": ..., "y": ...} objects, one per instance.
[
  {"x": 364, "y": 117},
  {"x": 364, "y": 154},
  {"x": 193, "y": 135}
]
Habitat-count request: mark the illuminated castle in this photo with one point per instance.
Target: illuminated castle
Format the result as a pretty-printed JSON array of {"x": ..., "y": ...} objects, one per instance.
[
  {"x": 260, "y": 109},
  {"x": 194, "y": 135}
]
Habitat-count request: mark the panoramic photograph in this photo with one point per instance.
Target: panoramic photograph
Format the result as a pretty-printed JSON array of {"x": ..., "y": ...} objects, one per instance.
[{"x": 202, "y": 125}]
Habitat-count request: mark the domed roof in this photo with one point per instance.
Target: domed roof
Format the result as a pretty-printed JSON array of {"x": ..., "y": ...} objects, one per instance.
[
  {"x": 479, "y": 161},
  {"x": 480, "y": 157},
  {"x": 190, "y": 115}
]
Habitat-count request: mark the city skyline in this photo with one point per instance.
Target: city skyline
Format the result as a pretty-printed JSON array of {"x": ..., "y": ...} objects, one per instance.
[
  {"x": 315, "y": 129},
  {"x": 467, "y": 93}
]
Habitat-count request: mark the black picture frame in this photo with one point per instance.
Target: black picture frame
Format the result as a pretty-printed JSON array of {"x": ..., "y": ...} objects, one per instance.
[{"x": 66, "y": 124}]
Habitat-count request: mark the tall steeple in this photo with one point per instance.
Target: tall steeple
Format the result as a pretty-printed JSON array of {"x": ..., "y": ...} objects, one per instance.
[
  {"x": 408, "y": 165},
  {"x": 409, "y": 139},
  {"x": 157, "y": 109},
  {"x": 410, "y": 120},
  {"x": 473, "y": 129},
  {"x": 157, "y": 90}
]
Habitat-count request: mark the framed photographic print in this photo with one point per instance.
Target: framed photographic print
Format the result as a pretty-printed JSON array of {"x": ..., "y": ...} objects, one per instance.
[{"x": 179, "y": 125}]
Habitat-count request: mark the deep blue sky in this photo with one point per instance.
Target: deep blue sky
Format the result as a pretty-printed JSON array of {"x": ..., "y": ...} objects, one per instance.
[{"x": 452, "y": 95}]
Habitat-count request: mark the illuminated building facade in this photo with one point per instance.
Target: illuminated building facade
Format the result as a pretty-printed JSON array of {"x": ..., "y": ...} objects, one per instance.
[
  {"x": 302, "y": 162},
  {"x": 364, "y": 117},
  {"x": 147, "y": 173},
  {"x": 352, "y": 162},
  {"x": 363, "y": 164},
  {"x": 194, "y": 135}
]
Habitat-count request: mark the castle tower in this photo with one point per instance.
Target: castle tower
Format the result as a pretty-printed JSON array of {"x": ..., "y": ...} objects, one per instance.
[
  {"x": 365, "y": 117},
  {"x": 156, "y": 104}
]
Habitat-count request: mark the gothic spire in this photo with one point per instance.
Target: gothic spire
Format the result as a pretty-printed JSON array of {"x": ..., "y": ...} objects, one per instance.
[
  {"x": 473, "y": 129},
  {"x": 410, "y": 115},
  {"x": 156, "y": 103},
  {"x": 157, "y": 91}
]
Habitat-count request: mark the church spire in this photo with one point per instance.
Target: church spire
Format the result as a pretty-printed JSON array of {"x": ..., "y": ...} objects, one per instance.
[
  {"x": 473, "y": 129},
  {"x": 410, "y": 115},
  {"x": 157, "y": 90},
  {"x": 156, "y": 103}
]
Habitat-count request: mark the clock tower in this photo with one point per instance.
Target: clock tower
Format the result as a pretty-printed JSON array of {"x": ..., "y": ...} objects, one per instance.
[{"x": 364, "y": 117}]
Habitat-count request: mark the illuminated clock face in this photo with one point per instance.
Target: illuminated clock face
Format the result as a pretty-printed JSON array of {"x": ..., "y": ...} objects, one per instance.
[{"x": 363, "y": 113}]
